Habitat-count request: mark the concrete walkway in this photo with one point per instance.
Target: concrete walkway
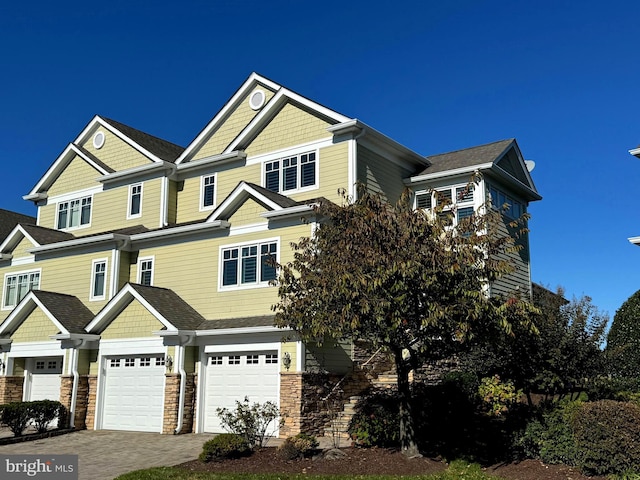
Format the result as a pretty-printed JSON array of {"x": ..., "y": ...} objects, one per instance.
[{"x": 105, "y": 454}]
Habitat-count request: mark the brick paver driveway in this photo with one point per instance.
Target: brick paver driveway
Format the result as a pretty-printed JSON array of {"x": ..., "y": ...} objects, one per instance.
[{"x": 105, "y": 454}]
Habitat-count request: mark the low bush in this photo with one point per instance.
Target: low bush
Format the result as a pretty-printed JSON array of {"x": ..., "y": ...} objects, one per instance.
[
  {"x": 43, "y": 412},
  {"x": 299, "y": 446},
  {"x": 254, "y": 422},
  {"x": 223, "y": 446},
  {"x": 16, "y": 416},
  {"x": 606, "y": 434},
  {"x": 376, "y": 422}
]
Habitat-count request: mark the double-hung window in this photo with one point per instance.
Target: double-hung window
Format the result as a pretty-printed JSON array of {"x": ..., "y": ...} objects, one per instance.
[
  {"x": 208, "y": 192},
  {"x": 145, "y": 271},
  {"x": 74, "y": 213},
  {"x": 288, "y": 174},
  {"x": 17, "y": 285},
  {"x": 135, "y": 200},
  {"x": 98, "y": 280},
  {"x": 248, "y": 265}
]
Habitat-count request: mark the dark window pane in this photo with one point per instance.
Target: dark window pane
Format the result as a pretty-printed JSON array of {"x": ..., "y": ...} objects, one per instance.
[{"x": 230, "y": 272}]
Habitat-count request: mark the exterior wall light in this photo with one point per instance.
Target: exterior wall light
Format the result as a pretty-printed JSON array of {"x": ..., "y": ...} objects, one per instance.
[
  {"x": 168, "y": 362},
  {"x": 286, "y": 360}
]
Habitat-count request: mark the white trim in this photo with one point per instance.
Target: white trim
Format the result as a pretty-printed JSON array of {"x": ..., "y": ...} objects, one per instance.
[
  {"x": 207, "y": 162},
  {"x": 244, "y": 229},
  {"x": 242, "y": 347},
  {"x": 234, "y": 200},
  {"x": 202, "y": 206},
  {"x": 115, "y": 272},
  {"x": 65, "y": 197},
  {"x": 634, "y": 240},
  {"x": 95, "y": 262},
  {"x": 289, "y": 211},
  {"x": 448, "y": 173},
  {"x": 260, "y": 103},
  {"x": 130, "y": 200},
  {"x": 16, "y": 262},
  {"x": 12, "y": 238},
  {"x": 299, "y": 188},
  {"x": 80, "y": 226},
  {"x": 151, "y": 258},
  {"x": 352, "y": 168},
  {"x": 91, "y": 240},
  {"x": 635, "y": 151},
  {"x": 183, "y": 230},
  {"x": 239, "y": 331},
  {"x": 35, "y": 349},
  {"x": 239, "y": 285}
]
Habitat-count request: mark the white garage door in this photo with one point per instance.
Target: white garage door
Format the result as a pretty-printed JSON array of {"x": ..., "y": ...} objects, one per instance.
[
  {"x": 234, "y": 376},
  {"x": 45, "y": 378},
  {"x": 134, "y": 393}
]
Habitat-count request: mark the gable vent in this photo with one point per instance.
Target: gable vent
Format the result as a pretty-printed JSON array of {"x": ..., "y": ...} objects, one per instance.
[
  {"x": 257, "y": 99},
  {"x": 98, "y": 140}
]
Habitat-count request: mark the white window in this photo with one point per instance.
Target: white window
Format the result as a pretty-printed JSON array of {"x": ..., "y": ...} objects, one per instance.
[
  {"x": 234, "y": 359},
  {"x": 145, "y": 271},
  {"x": 216, "y": 360},
  {"x": 160, "y": 361},
  {"x": 207, "y": 192},
  {"x": 271, "y": 358},
  {"x": 114, "y": 362},
  {"x": 135, "y": 201},
  {"x": 253, "y": 359},
  {"x": 17, "y": 285},
  {"x": 130, "y": 362},
  {"x": 74, "y": 213},
  {"x": 98, "y": 279},
  {"x": 248, "y": 265},
  {"x": 294, "y": 173},
  {"x": 145, "y": 362},
  {"x": 457, "y": 202},
  {"x": 507, "y": 204}
]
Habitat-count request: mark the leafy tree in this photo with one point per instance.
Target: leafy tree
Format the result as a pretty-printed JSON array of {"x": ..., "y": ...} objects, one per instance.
[
  {"x": 401, "y": 278},
  {"x": 623, "y": 340}
]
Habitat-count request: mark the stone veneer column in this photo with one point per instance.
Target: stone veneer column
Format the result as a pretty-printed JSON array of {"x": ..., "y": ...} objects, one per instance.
[
  {"x": 92, "y": 388},
  {"x": 291, "y": 403},
  {"x": 66, "y": 392},
  {"x": 11, "y": 388},
  {"x": 172, "y": 403}
]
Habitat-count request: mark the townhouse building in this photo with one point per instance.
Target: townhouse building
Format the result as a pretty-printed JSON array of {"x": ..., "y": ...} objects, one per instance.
[{"x": 140, "y": 296}]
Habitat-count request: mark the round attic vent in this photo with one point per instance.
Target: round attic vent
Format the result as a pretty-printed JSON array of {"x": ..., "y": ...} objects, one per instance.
[
  {"x": 256, "y": 100},
  {"x": 98, "y": 139}
]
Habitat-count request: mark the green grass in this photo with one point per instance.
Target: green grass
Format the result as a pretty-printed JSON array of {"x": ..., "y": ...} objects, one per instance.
[{"x": 458, "y": 470}]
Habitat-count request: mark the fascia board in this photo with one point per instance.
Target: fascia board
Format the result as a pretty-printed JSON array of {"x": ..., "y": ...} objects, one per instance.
[
  {"x": 288, "y": 211},
  {"x": 534, "y": 195},
  {"x": 133, "y": 172},
  {"x": 241, "y": 331},
  {"x": 5, "y": 256},
  {"x": 244, "y": 89},
  {"x": 12, "y": 238},
  {"x": 79, "y": 242},
  {"x": 18, "y": 314},
  {"x": 128, "y": 141},
  {"x": 183, "y": 230},
  {"x": 234, "y": 198},
  {"x": 635, "y": 152},
  {"x": 75, "y": 336},
  {"x": 117, "y": 303},
  {"x": 634, "y": 240},
  {"x": 447, "y": 173},
  {"x": 214, "y": 159},
  {"x": 88, "y": 160}
]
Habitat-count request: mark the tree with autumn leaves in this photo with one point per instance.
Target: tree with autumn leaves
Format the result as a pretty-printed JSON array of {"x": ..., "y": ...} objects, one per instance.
[{"x": 403, "y": 279}]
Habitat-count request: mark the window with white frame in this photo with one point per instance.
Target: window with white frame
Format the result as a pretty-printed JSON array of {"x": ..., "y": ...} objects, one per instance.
[
  {"x": 145, "y": 271},
  {"x": 74, "y": 213},
  {"x": 249, "y": 264},
  {"x": 456, "y": 199},
  {"x": 208, "y": 191},
  {"x": 507, "y": 204},
  {"x": 296, "y": 172},
  {"x": 135, "y": 200},
  {"x": 17, "y": 285},
  {"x": 98, "y": 279}
]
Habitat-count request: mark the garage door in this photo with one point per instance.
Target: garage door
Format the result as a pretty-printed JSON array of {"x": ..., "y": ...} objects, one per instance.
[
  {"x": 134, "y": 393},
  {"x": 234, "y": 376},
  {"x": 45, "y": 378}
]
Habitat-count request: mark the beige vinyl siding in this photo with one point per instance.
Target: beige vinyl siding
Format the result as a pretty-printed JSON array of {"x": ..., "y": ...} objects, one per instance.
[
  {"x": 329, "y": 357},
  {"x": 235, "y": 122},
  {"x": 20, "y": 251},
  {"x": 134, "y": 321},
  {"x": 191, "y": 269},
  {"x": 380, "y": 175},
  {"x": 78, "y": 175},
  {"x": 188, "y": 208},
  {"x": 172, "y": 199},
  {"x": 85, "y": 359},
  {"x": 37, "y": 327},
  {"x": 115, "y": 153},
  {"x": 333, "y": 173},
  {"x": 518, "y": 282},
  {"x": 229, "y": 179},
  {"x": 110, "y": 207},
  {"x": 291, "y": 126},
  {"x": 248, "y": 214}
]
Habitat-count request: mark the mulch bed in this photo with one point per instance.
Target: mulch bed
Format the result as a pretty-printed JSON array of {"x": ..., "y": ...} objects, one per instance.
[{"x": 373, "y": 461}]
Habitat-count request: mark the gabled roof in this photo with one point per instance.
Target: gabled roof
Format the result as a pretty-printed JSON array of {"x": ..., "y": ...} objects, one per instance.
[
  {"x": 9, "y": 220},
  {"x": 36, "y": 235},
  {"x": 66, "y": 312},
  {"x": 502, "y": 158},
  {"x": 164, "y": 304},
  {"x": 268, "y": 111},
  {"x": 272, "y": 201}
]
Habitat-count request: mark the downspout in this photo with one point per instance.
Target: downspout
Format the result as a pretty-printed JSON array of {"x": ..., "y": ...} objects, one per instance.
[
  {"x": 74, "y": 389},
  {"x": 183, "y": 384},
  {"x": 164, "y": 202}
]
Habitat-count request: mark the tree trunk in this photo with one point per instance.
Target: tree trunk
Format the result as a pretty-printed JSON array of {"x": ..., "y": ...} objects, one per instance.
[{"x": 408, "y": 443}]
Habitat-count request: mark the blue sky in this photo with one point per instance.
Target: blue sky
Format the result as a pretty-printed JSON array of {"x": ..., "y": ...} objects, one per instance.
[{"x": 562, "y": 77}]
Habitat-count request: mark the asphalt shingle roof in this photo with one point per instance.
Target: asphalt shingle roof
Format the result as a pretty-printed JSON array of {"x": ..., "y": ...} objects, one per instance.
[
  {"x": 171, "y": 306},
  {"x": 45, "y": 236},
  {"x": 467, "y": 157},
  {"x": 163, "y": 149},
  {"x": 9, "y": 220},
  {"x": 67, "y": 309}
]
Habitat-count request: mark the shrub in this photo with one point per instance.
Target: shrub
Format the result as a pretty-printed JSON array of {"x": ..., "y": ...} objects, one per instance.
[
  {"x": 616, "y": 388},
  {"x": 376, "y": 421},
  {"x": 498, "y": 396},
  {"x": 607, "y": 434},
  {"x": 298, "y": 446},
  {"x": 43, "y": 412},
  {"x": 16, "y": 416},
  {"x": 225, "y": 445},
  {"x": 252, "y": 422}
]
